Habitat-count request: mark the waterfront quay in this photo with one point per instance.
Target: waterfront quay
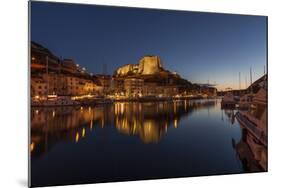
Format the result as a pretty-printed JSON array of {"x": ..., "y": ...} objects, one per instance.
[{"x": 90, "y": 100}]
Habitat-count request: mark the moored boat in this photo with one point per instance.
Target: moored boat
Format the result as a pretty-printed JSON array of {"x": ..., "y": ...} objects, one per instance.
[
  {"x": 55, "y": 101},
  {"x": 228, "y": 101},
  {"x": 245, "y": 101},
  {"x": 255, "y": 118}
]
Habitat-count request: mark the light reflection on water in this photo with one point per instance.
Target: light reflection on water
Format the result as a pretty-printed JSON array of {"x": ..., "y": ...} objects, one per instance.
[{"x": 125, "y": 141}]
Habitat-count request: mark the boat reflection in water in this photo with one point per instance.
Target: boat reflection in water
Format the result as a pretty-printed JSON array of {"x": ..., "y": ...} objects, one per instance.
[
  {"x": 133, "y": 141},
  {"x": 251, "y": 152}
]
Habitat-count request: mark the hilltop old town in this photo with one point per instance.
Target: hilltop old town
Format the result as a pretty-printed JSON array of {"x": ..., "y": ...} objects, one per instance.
[{"x": 52, "y": 77}]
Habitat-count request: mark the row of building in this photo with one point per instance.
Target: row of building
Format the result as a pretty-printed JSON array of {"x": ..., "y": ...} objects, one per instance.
[
  {"x": 61, "y": 84},
  {"x": 70, "y": 85},
  {"x": 51, "y": 75}
]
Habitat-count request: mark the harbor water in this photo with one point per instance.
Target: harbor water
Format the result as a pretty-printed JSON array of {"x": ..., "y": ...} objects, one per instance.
[{"x": 133, "y": 140}]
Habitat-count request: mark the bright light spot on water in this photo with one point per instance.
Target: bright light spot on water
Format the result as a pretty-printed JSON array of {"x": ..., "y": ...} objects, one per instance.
[{"x": 77, "y": 137}]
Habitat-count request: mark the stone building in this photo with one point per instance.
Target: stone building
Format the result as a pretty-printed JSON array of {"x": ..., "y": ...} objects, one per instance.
[
  {"x": 118, "y": 86},
  {"x": 75, "y": 86},
  {"x": 54, "y": 83},
  {"x": 150, "y": 65},
  {"x": 105, "y": 82},
  {"x": 208, "y": 90},
  {"x": 153, "y": 89},
  {"x": 147, "y": 65},
  {"x": 133, "y": 87},
  {"x": 69, "y": 66},
  {"x": 41, "y": 58},
  {"x": 52, "y": 76},
  {"x": 68, "y": 85},
  {"x": 38, "y": 88}
]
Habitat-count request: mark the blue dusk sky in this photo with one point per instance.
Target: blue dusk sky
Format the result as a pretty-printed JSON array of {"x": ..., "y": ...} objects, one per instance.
[{"x": 198, "y": 46}]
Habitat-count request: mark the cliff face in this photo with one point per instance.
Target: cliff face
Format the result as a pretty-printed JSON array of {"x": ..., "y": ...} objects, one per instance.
[{"x": 148, "y": 65}]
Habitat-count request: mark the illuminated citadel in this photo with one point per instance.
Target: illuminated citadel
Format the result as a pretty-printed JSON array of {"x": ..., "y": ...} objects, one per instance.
[{"x": 148, "y": 65}]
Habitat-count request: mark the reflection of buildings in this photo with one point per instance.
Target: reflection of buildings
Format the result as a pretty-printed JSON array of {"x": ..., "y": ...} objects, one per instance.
[
  {"x": 148, "y": 121},
  {"x": 51, "y": 125},
  {"x": 251, "y": 152}
]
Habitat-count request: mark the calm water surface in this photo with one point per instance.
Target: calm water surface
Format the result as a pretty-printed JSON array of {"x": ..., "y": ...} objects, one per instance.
[{"x": 128, "y": 141}]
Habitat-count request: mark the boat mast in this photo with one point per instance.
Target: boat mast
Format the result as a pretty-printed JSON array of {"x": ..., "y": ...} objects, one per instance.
[
  {"x": 239, "y": 84},
  {"x": 265, "y": 76},
  {"x": 251, "y": 80},
  {"x": 246, "y": 82}
]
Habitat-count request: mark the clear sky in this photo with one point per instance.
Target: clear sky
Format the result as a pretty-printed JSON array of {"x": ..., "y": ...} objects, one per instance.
[{"x": 199, "y": 46}]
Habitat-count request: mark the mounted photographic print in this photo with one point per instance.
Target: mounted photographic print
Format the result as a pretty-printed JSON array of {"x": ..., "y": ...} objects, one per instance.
[{"x": 121, "y": 94}]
